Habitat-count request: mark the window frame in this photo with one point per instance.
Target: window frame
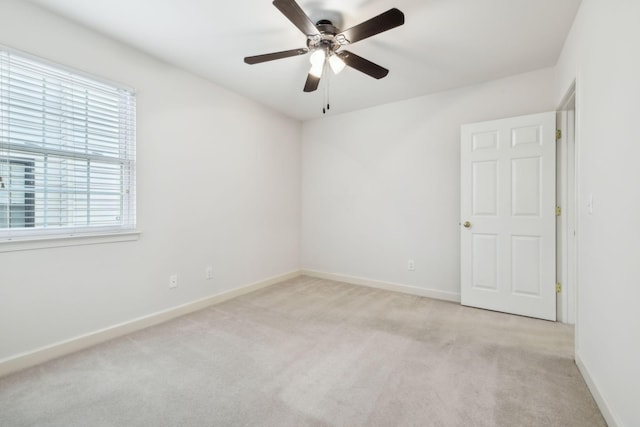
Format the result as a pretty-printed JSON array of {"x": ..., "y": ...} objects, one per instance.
[{"x": 71, "y": 235}]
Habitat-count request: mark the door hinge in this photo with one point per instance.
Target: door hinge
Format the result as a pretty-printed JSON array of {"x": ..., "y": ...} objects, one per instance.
[
  {"x": 558, "y": 287},
  {"x": 558, "y": 211},
  {"x": 558, "y": 134}
]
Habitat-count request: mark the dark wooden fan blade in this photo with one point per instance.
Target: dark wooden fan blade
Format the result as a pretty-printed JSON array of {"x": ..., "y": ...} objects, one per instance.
[
  {"x": 362, "y": 65},
  {"x": 311, "y": 83},
  {"x": 385, "y": 21},
  {"x": 273, "y": 56},
  {"x": 296, "y": 15}
]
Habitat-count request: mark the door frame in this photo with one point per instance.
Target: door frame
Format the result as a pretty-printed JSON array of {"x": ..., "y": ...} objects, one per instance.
[{"x": 566, "y": 198}]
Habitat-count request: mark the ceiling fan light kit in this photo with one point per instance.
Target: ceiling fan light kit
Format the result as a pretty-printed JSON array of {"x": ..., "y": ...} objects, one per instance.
[
  {"x": 318, "y": 57},
  {"x": 337, "y": 64},
  {"x": 325, "y": 42}
]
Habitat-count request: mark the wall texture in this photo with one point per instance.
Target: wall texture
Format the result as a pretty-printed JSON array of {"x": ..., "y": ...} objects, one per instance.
[
  {"x": 218, "y": 184},
  {"x": 602, "y": 54},
  {"x": 382, "y": 186}
]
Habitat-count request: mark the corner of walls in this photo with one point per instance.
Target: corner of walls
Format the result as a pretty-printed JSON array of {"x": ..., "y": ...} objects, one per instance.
[
  {"x": 217, "y": 185},
  {"x": 385, "y": 189}
]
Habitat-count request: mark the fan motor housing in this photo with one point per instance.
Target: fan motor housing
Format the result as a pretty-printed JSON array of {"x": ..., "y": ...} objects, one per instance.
[{"x": 327, "y": 37}]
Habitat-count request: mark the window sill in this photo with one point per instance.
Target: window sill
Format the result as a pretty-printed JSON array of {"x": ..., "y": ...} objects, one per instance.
[{"x": 59, "y": 241}]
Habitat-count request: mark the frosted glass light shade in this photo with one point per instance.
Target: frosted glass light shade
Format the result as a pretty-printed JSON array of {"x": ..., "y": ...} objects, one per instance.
[
  {"x": 317, "y": 57},
  {"x": 336, "y": 63}
]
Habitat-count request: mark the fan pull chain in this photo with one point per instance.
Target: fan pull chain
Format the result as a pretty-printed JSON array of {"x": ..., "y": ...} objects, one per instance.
[
  {"x": 327, "y": 87},
  {"x": 324, "y": 92},
  {"x": 328, "y": 92}
]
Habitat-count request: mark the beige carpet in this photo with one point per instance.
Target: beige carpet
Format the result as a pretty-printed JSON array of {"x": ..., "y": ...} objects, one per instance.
[{"x": 310, "y": 352}]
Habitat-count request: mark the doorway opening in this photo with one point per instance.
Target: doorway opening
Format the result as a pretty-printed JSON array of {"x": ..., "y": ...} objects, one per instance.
[{"x": 566, "y": 223}]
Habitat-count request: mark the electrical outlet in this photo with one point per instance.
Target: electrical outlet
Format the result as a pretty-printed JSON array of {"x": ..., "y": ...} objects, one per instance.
[
  {"x": 208, "y": 273},
  {"x": 411, "y": 265},
  {"x": 173, "y": 281}
]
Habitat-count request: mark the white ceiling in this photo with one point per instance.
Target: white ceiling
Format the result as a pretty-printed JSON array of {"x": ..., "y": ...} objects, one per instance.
[{"x": 443, "y": 44}]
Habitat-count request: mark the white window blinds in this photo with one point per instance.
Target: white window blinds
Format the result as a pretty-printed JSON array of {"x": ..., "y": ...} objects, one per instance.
[{"x": 67, "y": 152}]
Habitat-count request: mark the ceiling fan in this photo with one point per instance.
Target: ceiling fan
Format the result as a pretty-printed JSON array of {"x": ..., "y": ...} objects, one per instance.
[{"x": 325, "y": 41}]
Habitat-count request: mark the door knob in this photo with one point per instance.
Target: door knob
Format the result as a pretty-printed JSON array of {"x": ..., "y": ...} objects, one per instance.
[{"x": 467, "y": 224}]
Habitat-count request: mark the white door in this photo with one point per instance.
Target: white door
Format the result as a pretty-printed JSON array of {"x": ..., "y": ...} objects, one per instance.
[{"x": 508, "y": 240}]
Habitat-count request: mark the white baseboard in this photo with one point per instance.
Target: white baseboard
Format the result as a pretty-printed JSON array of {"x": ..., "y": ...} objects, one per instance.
[
  {"x": 53, "y": 351},
  {"x": 395, "y": 287},
  {"x": 595, "y": 392}
]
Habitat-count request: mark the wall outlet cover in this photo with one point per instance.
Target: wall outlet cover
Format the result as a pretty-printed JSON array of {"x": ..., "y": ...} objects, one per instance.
[{"x": 173, "y": 281}]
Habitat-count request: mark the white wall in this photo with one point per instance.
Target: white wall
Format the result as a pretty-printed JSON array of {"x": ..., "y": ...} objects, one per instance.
[
  {"x": 218, "y": 184},
  {"x": 381, "y": 186},
  {"x": 603, "y": 53}
]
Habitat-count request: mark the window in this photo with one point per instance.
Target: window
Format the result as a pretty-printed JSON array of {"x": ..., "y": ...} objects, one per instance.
[
  {"x": 16, "y": 206},
  {"x": 67, "y": 152}
]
